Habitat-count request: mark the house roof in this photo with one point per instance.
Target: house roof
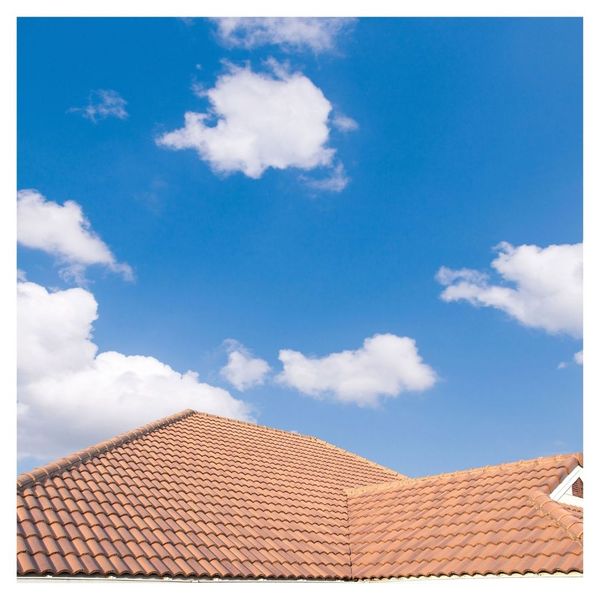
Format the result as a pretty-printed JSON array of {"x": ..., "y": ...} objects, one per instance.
[
  {"x": 493, "y": 520},
  {"x": 195, "y": 495}
]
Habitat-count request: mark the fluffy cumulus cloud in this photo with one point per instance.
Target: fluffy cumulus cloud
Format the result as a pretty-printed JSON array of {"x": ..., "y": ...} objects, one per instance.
[
  {"x": 64, "y": 232},
  {"x": 70, "y": 396},
  {"x": 243, "y": 370},
  {"x": 539, "y": 287},
  {"x": 256, "y": 121},
  {"x": 290, "y": 33},
  {"x": 385, "y": 365},
  {"x": 578, "y": 357},
  {"x": 103, "y": 104}
]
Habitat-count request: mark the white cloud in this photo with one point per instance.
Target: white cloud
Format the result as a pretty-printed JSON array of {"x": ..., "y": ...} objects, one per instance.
[
  {"x": 447, "y": 276},
  {"x": 344, "y": 123},
  {"x": 70, "y": 396},
  {"x": 103, "y": 104},
  {"x": 335, "y": 181},
  {"x": 315, "y": 34},
  {"x": 577, "y": 359},
  {"x": 243, "y": 370},
  {"x": 542, "y": 287},
  {"x": 64, "y": 232},
  {"x": 256, "y": 121},
  {"x": 386, "y": 365}
]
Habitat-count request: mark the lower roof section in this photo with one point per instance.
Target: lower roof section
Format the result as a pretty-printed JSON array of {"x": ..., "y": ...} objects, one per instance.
[{"x": 493, "y": 520}]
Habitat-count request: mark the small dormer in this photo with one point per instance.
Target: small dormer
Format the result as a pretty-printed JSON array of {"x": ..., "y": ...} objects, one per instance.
[{"x": 570, "y": 489}]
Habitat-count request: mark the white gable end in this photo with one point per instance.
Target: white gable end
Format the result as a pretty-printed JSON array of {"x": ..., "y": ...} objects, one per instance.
[{"x": 564, "y": 490}]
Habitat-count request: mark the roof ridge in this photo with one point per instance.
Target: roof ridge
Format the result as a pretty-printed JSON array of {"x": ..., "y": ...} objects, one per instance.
[
  {"x": 555, "y": 511},
  {"x": 54, "y": 468},
  {"x": 250, "y": 424},
  {"x": 398, "y": 476},
  {"x": 306, "y": 436},
  {"x": 358, "y": 491}
]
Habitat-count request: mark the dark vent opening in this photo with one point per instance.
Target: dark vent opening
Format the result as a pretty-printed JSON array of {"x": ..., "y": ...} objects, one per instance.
[{"x": 577, "y": 488}]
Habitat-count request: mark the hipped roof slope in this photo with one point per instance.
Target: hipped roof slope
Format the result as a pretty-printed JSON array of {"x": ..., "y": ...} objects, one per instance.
[{"x": 194, "y": 495}]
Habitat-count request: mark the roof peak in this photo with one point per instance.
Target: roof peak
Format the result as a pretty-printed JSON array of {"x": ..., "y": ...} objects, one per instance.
[
  {"x": 309, "y": 437},
  {"x": 81, "y": 456}
]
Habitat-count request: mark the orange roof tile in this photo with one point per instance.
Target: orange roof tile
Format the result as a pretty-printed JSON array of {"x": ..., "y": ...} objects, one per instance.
[
  {"x": 195, "y": 495},
  {"x": 493, "y": 520}
]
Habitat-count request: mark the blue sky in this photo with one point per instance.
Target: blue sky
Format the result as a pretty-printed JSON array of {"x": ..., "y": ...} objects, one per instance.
[{"x": 468, "y": 133}]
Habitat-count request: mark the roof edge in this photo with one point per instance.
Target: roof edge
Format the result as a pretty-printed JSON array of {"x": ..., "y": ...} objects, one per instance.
[
  {"x": 386, "y": 485},
  {"x": 54, "y": 468}
]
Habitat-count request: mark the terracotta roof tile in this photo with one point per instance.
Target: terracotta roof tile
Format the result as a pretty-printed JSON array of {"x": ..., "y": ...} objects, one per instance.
[
  {"x": 196, "y": 495},
  {"x": 483, "y": 521},
  {"x": 25, "y": 564}
]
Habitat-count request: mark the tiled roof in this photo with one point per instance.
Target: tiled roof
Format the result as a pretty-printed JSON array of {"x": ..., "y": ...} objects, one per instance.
[
  {"x": 193, "y": 495},
  {"x": 493, "y": 520},
  {"x": 196, "y": 495}
]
